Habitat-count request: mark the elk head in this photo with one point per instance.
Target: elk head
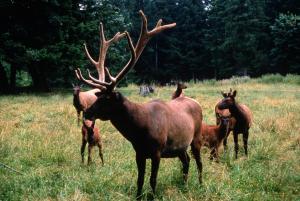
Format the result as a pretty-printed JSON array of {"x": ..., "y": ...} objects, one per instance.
[
  {"x": 228, "y": 100},
  {"x": 76, "y": 89},
  {"x": 108, "y": 99}
]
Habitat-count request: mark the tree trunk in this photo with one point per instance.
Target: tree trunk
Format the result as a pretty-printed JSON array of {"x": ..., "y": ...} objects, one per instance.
[
  {"x": 38, "y": 78},
  {"x": 156, "y": 55},
  {"x": 4, "y": 85},
  {"x": 13, "y": 76}
]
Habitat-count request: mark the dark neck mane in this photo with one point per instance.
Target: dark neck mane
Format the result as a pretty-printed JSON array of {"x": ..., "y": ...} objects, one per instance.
[
  {"x": 237, "y": 111},
  {"x": 125, "y": 119},
  {"x": 76, "y": 102}
]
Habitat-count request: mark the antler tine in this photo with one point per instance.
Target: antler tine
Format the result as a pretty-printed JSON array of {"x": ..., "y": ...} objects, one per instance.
[
  {"x": 88, "y": 82},
  {"x": 136, "y": 51},
  {"x": 117, "y": 37},
  {"x": 96, "y": 80},
  {"x": 104, "y": 45},
  {"x": 114, "y": 80},
  {"x": 130, "y": 63},
  {"x": 89, "y": 56},
  {"x": 146, "y": 35}
]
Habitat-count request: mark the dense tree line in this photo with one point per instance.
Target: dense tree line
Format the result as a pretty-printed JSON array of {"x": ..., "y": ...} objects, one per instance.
[{"x": 41, "y": 41}]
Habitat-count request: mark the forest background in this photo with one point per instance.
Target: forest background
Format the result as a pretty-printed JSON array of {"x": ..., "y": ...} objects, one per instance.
[{"x": 41, "y": 41}]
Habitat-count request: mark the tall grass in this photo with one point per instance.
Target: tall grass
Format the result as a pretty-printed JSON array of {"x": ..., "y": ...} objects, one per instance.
[{"x": 39, "y": 137}]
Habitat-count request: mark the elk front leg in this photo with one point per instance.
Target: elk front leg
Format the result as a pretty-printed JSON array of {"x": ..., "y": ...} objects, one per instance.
[
  {"x": 236, "y": 144},
  {"x": 185, "y": 160},
  {"x": 196, "y": 145},
  {"x": 154, "y": 170},
  {"x": 225, "y": 143},
  {"x": 217, "y": 153},
  {"x": 141, "y": 164},
  {"x": 212, "y": 154},
  {"x": 89, "y": 154},
  {"x": 100, "y": 152},
  {"x": 82, "y": 149},
  {"x": 245, "y": 140}
]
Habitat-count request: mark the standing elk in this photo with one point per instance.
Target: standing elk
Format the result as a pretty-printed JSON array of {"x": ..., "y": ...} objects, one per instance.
[
  {"x": 90, "y": 135},
  {"x": 179, "y": 90},
  {"x": 83, "y": 99},
  {"x": 155, "y": 129},
  {"x": 225, "y": 113},
  {"x": 243, "y": 118},
  {"x": 213, "y": 135}
]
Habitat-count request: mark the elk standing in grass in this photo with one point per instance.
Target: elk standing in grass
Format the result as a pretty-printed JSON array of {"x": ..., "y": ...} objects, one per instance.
[
  {"x": 83, "y": 99},
  {"x": 220, "y": 113},
  {"x": 90, "y": 135},
  {"x": 213, "y": 135},
  {"x": 179, "y": 90},
  {"x": 243, "y": 117},
  {"x": 155, "y": 129}
]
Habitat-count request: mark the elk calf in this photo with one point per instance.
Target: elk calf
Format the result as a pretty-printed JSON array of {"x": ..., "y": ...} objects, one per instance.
[
  {"x": 213, "y": 135},
  {"x": 179, "y": 90},
  {"x": 242, "y": 115},
  {"x": 90, "y": 135}
]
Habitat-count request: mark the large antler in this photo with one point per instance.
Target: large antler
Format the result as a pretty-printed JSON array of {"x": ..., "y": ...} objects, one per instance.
[
  {"x": 104, "y": 45},
  {"x": 136, "y": 51}
]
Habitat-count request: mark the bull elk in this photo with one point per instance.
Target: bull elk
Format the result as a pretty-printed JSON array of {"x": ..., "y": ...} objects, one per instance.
[
  {"x": 243, "y": 117},
  {"x": 156, "y": 129}
]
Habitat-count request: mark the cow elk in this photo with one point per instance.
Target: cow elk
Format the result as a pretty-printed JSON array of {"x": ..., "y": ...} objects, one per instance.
[
  {"x": 220, "y": 113},
  {"x": 213, "y": 135},
  {"x": 83, "y": 99},
  {"x": 179, "y": 90},
  {"x": 156, "y": 129},
  {"x": 243, "y": 117}
]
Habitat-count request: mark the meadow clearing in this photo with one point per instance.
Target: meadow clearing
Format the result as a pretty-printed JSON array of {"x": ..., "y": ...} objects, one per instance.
[{"x": 39, "y": 137}]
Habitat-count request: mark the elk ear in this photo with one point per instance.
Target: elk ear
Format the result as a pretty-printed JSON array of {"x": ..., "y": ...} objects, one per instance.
[
  {"x": 223, "y": 94},
  {"x": 73, "y": 85},
  {"x": 118, "y": 96},
  {"x": 234, "y": 93}
]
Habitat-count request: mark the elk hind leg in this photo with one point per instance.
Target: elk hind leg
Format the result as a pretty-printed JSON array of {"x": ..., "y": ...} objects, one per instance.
[
  {"x": 245, "y": 141},
  {"x": 236, "y": 144},
  {"x": 100, "y": 152},
  {"x": 196, "y": 152},
  {"x": 89, "y": 154},
  {"x": 82, "y": 149},
  {"x": 185, "y": 160}
]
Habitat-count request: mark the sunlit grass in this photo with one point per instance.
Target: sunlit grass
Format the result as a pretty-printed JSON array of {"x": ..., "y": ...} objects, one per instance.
[{"x": 39, "y": 137}]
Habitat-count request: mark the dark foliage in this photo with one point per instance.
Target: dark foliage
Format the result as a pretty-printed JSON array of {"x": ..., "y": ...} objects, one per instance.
[{"x": 42, "y": 41}]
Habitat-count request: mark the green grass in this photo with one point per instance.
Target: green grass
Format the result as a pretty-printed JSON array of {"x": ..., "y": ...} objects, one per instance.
[{"x": 39, "y": 137}]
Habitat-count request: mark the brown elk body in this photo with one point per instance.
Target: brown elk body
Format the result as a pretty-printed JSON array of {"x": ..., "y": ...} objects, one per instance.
[
  {"x": 179, "y": 90},
  {"x": 213, "y": 135},
  {"x": 90, "y": 136},
  {"x": 83, "y": 99},
  {"x": 243, "y": 119},
  {"x": 155, "y": 129}
]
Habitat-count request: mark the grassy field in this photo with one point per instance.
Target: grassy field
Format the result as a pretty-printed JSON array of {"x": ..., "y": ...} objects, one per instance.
[{"x": 40, "y": 138}]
